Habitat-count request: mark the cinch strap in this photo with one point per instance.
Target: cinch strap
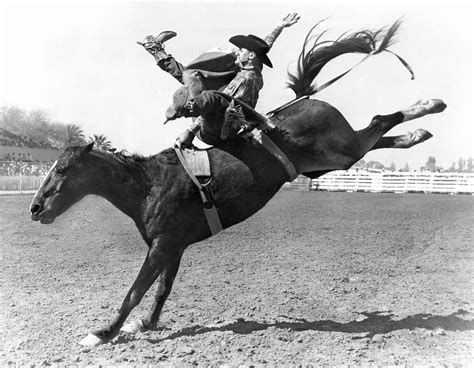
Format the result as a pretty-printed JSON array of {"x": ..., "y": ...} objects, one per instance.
[{"x": 210, "y": 210}]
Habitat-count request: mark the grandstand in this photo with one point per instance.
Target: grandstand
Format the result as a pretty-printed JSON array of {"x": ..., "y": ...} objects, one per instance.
[{"x": 15, "y": 148}]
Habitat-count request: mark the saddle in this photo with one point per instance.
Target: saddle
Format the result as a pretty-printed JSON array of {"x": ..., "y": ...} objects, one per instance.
[{"x": 196, "y": 164}]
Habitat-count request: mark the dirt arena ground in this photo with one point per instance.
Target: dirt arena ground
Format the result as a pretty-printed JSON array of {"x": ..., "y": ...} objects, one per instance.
[{"x": 315, "y": 278}]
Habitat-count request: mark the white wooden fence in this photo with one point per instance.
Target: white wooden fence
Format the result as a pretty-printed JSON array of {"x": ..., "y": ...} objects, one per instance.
[{"x": 396, "y": 182}]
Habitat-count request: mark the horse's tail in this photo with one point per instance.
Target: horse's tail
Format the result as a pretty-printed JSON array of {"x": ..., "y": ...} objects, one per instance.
[{"x": 313, "y": 57}]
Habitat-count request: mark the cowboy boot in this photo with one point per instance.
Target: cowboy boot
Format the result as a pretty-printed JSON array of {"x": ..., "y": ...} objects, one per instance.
[
  {"x": 160, "y": 53},
  {"x": 180, "y": 110},
  {"x": 154, "y": 45},
  {"x": 163, "y": 37}
]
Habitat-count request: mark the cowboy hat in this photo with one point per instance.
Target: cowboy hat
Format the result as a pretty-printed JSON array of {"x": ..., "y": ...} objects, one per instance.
[{"x": 255, "y": 44}]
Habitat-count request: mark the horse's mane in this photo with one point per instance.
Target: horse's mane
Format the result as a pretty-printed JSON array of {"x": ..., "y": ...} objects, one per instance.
[
  {"x": 134, "y": 164},
  {"x": 315, "y": 54}
]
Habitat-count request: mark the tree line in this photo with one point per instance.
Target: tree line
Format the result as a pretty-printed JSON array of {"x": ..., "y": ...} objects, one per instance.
[
  {"x": 462, "y": 165},
  {"x": 35, "y": 129}
]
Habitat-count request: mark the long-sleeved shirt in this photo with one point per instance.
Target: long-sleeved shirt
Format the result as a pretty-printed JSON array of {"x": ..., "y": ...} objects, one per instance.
[{"x": 246, "y": 86}]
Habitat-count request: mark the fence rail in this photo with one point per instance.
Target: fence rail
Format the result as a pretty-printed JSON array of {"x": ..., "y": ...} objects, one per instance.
[{"x": 395, "y": 182}]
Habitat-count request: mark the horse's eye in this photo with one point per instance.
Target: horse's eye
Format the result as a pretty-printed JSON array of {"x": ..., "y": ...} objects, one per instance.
[{"x": 61, "y": 172}]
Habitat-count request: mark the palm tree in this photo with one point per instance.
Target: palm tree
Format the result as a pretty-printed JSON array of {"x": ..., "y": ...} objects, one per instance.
[
  {"x": 74, "y": 135},
  {"x": 101, "y": 143}
]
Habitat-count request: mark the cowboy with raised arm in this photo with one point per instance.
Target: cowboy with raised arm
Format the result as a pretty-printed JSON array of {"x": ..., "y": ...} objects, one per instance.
[{"x": 250, "y": 56}]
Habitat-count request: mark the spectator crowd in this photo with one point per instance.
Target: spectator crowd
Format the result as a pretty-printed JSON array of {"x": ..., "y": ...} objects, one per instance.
[{"x": 15, "y": 168}]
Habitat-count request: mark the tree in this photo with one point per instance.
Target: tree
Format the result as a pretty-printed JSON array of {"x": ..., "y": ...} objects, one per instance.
[
  {"x": 460, "y": 165},
  {"x": 431, "y": 164},
  {"x": 406, "y": 168},
  {"x": 359, "y": 164},
  {"x": 375, "y": 165},
  {"x": 101, "y": 143},
  {"x": 469, "y": 165},
  {"x": 12, "y": 117},
  {"x": 74, "y": 135},
  {"x": 392, "y": 167}
]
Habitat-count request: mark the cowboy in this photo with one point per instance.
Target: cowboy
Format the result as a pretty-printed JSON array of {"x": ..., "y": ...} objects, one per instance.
[
  {"x": 246, "y": 85},
  {"x": 250, "y": 56}
]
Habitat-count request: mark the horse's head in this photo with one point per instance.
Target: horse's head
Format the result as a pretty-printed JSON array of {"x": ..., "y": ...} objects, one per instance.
[{"x": 63, "y": 186}]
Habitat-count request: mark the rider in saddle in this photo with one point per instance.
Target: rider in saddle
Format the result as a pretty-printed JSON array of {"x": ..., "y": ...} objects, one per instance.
[{"x": 250, "y": 56}]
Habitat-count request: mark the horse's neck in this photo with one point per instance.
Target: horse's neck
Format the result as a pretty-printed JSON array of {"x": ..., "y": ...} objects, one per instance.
[{"x": 117, "y": 185}]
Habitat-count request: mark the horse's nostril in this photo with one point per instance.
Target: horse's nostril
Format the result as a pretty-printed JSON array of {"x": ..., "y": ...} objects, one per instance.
[{"x": 35, "y": 208}]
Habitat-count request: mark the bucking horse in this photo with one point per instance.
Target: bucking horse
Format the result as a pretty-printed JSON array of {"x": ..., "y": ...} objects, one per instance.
[{"x": 165, "y": 203}]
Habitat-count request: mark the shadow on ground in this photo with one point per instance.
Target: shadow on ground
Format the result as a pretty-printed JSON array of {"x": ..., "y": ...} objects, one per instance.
[{"x": 374, "y": 323}]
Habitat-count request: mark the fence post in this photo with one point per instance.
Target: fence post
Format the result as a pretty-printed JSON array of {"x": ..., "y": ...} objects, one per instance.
[
  {"x": 456, "y": 188},
  {"x": 432, "y": 182}
]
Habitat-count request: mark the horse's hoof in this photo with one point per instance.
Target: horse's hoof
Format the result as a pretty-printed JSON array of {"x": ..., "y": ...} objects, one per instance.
[
  {"x": 421, "y": 135},
  {"x": 437, "y": 105},
  {"x": 133, "y": 327},
  {"x": 422, "y": 108},
  {"x": 91, "y": 340}
]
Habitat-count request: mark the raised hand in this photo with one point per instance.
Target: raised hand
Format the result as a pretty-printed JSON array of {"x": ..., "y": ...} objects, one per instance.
[{"x": 289, "y": 20}]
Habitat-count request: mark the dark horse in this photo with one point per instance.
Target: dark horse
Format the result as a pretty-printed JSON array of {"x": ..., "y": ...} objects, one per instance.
[{"x": 166, "y": 206}]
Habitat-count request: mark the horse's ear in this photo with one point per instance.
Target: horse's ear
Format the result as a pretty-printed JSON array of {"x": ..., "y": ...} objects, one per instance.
[{"x": 85, "y": 150}]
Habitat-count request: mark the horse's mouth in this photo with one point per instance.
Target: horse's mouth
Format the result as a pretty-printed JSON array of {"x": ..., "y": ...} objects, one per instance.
[{"x": 44, "y": 217}]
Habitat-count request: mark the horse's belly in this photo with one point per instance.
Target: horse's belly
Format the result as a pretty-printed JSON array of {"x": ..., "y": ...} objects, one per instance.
[{"x": 308, "y": 162}]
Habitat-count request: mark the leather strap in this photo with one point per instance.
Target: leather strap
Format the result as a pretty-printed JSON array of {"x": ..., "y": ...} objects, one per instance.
[
  {"x": 259, "y": 137},
  {"x": 210, "y": 210}
]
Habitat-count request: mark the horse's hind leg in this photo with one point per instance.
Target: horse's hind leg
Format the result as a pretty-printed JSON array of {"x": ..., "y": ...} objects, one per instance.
[
  {"x": 381, "y": 124},
  {"x": 407, "y": 140}
]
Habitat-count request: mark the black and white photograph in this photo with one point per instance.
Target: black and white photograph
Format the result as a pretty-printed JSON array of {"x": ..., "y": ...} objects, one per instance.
[{"x": 236, "y": 183}]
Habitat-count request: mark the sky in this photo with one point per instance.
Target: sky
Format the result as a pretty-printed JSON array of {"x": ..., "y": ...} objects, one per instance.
[{"x": 79, "y": 62}]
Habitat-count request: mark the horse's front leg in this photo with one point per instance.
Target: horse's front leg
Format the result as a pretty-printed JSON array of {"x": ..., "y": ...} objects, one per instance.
[
  {"x": 160, "y": 257},
  {"x": 164, "y": 285}
]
